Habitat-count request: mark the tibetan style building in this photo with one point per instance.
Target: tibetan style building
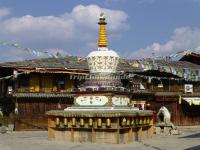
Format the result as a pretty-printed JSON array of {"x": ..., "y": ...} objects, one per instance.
[
  {"x": 41, "y": 85},
  {"x": 30, "y": 88},
  {"x": 44, "y": 84}
]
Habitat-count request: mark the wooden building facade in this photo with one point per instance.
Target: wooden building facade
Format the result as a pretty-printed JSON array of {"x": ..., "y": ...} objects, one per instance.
[
  {"x": 28, "y": 91},
  {"x": 166, "y": 84},
  {"x": 31, "y": 95}
]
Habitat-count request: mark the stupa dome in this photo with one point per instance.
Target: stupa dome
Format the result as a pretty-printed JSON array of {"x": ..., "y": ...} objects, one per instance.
[{"x": 103, "y": 60}]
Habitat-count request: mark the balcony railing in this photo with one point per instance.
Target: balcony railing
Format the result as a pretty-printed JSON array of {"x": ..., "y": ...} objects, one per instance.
[
  {"x": 41, "y": 90},
  {"x": 178, "y": 89}
]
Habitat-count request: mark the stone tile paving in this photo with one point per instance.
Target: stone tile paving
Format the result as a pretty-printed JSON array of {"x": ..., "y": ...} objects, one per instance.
[{"x": 189, "y": 140}]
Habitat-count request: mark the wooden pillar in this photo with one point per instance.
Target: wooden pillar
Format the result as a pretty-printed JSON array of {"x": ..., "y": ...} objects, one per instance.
[
  {"x": 169, "y": 86},
  {"x": 51, "y": 132},
  {"x": 177, "y": 114},
  {"x": 118, "y": 131},
  {"x": 72, "y": 134},
  {"x": 139, "y": 134},
  {"x": 150, "y": 130},
  {"x": 130, "y": 135},
  {"x": 93, "y": 135}
]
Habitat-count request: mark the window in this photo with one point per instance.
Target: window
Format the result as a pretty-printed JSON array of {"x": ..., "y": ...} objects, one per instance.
[
  {"x": 61, "y": 83},
  {"x": 23, "y": 81}
]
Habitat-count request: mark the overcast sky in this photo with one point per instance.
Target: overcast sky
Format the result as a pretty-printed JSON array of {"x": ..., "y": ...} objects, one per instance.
[{"x": 136, "y": 28}]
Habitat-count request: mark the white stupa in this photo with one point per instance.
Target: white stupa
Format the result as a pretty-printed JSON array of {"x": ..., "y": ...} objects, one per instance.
[{"x": 103, "y": 60}]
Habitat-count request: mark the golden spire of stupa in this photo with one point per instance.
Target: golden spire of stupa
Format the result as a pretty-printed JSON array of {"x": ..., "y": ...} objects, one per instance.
[{"x": 102, "y": 41}]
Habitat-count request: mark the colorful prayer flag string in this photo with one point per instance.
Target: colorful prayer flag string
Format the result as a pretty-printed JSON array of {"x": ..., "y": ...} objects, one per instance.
[{"x": 32, "y": 51}]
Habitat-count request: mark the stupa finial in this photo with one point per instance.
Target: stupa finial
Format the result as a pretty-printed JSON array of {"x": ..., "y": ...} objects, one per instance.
[{"x": 102, "y": 41}]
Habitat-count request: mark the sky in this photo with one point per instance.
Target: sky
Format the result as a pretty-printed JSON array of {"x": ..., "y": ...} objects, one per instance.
[{"x": 135, "y": 29}]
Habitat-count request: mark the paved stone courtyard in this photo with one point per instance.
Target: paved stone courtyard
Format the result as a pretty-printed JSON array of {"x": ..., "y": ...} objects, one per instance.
[{"x": 189, "y": 140}]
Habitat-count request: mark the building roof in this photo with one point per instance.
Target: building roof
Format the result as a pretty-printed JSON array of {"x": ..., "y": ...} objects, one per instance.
[
  {"x": 193, "y": 58},
  {"x": 65, "y": 63},
  {"x": 182, "y": 69}
]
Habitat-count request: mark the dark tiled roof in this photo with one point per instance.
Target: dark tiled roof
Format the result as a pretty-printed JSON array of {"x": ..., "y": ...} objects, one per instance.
[
  {"x": 78, "y": 63},
  {"x": 69, "y": 62},
  {"x": 182, "y": 69},
  {"x": 175, "y": 64},
  {"x": 193, "y": 57},
  {"x": 66, "y": 62}
]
